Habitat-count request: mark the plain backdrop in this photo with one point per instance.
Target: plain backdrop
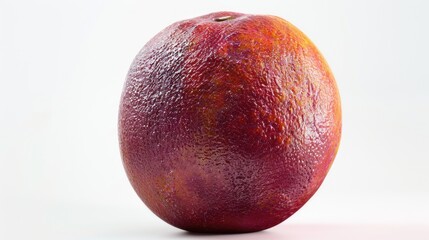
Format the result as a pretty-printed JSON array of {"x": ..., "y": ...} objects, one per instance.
[{"x": 62, "y": 68}]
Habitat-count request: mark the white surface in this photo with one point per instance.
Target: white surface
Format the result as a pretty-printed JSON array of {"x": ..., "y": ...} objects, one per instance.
[{"x": 62, "y": 67}]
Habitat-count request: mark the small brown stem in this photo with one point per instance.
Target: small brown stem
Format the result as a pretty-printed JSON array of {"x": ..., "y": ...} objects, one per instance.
[{"x": 223, "y": 18}]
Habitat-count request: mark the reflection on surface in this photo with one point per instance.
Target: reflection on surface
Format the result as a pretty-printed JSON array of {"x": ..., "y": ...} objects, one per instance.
[
  {"x": 281, "y": 232},
  {"x": 248, "y": 236},
  {"x": 325, "y": 231}
]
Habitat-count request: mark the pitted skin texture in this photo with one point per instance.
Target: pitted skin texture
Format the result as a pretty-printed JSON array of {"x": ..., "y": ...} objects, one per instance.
[{"x": 228, "y": 122}]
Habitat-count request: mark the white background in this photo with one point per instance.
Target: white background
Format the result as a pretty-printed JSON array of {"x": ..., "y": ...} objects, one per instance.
[{"x": 62, "y": 67}]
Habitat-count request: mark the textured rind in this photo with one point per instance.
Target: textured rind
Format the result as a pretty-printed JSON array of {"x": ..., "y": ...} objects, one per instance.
[{"x": 228, "y": 126}]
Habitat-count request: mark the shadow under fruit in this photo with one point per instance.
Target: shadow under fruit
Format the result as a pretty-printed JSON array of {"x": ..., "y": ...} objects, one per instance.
[{"x": 228, "y": 122}]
